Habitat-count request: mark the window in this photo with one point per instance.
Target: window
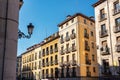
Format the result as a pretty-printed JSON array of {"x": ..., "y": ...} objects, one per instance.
[
  {"x": 67, "y": 46},
  {"x": 119, "y": 61},
  {"x": 67, "y": 58},
  {"x": 94, "y": 69},
  {"x": 92, "y": 45},
  {"x": 67, "y": 34},
  {"x": 56, "y": 57},
  {"x": 47, "y": 50},
  {"x": 56, "y": 46},
  {"x": 39, "y": 54},
  {"x": 61, "y": 37},
  {"x": 105, "y": 64},
  {"x": 35, "y": 56},
  {"x": 73, "y": 57},
  {"x": 102, "y": 14},
  {"x": 62, "y": 59},
  {"x": 85, "y": 22},
  {"x": 66, "y": 24},
  {"x": 72, "y": 20},
  {"x": 91, "y": 33},
  {"x": 73, "y": 31},
  {"x": 116, "y": 7},
  {"x": 93, "y": 57},
  {"x": 103, "y": 27},
  {"x": 117, "y": 22}
]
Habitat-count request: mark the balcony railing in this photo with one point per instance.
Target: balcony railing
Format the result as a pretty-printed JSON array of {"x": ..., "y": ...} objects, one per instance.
[
  {"x": 56, "y": 50},
  {"x": 73, "y": 48},
  {"x": 67, "y": 50},
  {"x": 61, "y": 41},
  {"x": 47, "y": 64},
  {"x": 106, "y": 71},
  {"x": 116, "y": 11},
  {"x": 88, "y": 73},
  {"x": 51, "y": 51},
  {"x": 67, "y": 38},
  {"x": 73, "y": 62},
  {"x": 88, "y": 62},
  {"x": 43, "y": 54},
  {"x": 103, "y": 17},
  {"x": 56, "y": 62},
  {"x": 47, "y": 52},
  {"x": 117, "y": 29},
  {"x": 51, "y": 63},
  {"x": 61, "y": 64},
  {"x": 67, "y": 63},
  {"x": 103, "y": 33},
  {"x": 87, "y": 48},
  {"x": 73, "y": 36},
  {"x": 43, "y": 64},
  {"x": 62, "y": 52},
  {"x": 104, "y": 51},
  {"x": 86, "y": 35}
]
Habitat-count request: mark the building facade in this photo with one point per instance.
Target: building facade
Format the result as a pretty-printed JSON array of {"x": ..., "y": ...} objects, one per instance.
[
  {"x": 31, "y": 63},
  {"x": 107, "y": 15},
  {"x": 50, "y": 57},
  {"x": 77, "y": 54},
  {"x": 19, "y": 68}
]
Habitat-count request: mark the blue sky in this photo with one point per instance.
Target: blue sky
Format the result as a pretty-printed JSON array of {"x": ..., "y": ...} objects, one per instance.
[{"x": 46, "y": 15}]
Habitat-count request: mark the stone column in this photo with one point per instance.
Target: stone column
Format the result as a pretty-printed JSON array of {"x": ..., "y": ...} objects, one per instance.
[{"x": 9, "y": 12}]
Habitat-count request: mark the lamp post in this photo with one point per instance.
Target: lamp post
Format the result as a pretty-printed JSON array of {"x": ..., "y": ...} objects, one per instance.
[{"x": 30, "y": 31}]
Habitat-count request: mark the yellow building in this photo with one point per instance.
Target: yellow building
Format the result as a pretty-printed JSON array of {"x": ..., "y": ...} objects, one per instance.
[
  {"x": 77, "y": 46},
  {"x": 50, "y": 56},
  {"x": 31, "y": 63}
]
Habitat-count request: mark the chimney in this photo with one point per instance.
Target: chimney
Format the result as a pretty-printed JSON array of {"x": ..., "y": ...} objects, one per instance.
[{"x": 68, "y": 16}]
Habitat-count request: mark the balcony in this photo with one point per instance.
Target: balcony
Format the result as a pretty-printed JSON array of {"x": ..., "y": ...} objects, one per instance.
[
  {"x": 73, "y": 48},
  {"x": 116, "y": 29},
  {"x": 104, "y": 51},
  {"x": 47, "y": 52},
  {"x": 87, "y": 48},
  {"x": 116, "y": 11},
  {"x": 62, "y": 52},
  {"x": 102, "y": 17},
  {"x": 62, "y": 64},
  {"x": 56, "y": 50},
  {"x": 51, "y": 63},
  {"x": 67, "y": 50},
  {"x": 86, "y": 35},
  {"x": 61, "y": 41},
  {"x": 88, "y": 74},
  {"x": 88, "y": 62},
  {"x": 56, "y": 62},
  {"x": 43, "y": 54},
  {"x": 67, "y": 38},
  {"x": 67, "y": 63},
  {"x": 51, "y": 51},
  {"x": 103, "y": 33},
  {"x": 47, "y": 64},
  {"x": 73, "y": 36},
  {"x": 73, "y": 62},
  {"x": 106, "y": 71},
  {"x": 43, "y": 65}
]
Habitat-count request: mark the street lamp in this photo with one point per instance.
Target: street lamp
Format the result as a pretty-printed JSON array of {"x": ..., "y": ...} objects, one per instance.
[{"x": 30, "y": 31}]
